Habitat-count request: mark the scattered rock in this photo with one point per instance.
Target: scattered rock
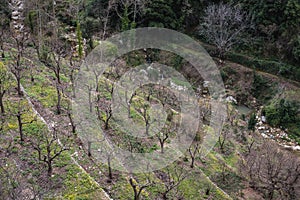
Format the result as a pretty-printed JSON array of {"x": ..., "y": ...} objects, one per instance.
[
  {"x": 263, "y": 119},
  {"x": 231, "y": 99}
]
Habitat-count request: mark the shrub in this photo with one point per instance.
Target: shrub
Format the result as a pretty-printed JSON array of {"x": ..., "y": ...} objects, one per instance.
[
  {"x": 282, "y": 113},
  {"x": 262, "y": 88},
  {"x": 252, "y": 122}
]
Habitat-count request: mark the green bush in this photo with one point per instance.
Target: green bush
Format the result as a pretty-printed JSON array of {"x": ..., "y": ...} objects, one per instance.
[
  {"x": 177, "y": 62},
  {"x": 252, "y": 122},
  {"x": 282, "y": 113}
]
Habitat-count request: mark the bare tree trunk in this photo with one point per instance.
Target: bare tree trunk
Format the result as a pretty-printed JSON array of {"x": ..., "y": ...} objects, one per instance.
[
  {"x": 50, "y": 169},
  {"x": 135, "y": 190},
  {"x": 138, "y": 188},
  {"x": 161, "y": 146},
  {"x": 90, "y": 101},
  {"x": 193, "y": 161},
  {"x": 73, "y": 85},
  {"x": 20, "y": 36},
  {"x": 48, "y": 148},
  {"x": 1, "y": 103},
  {"x": 193, "y": 153},
  {"x": 165, "y": 197},
  {"x": 108, "y": 112},
  {"x": 129, "y": 100},
  {"x": 58, "y": 103},
  {"x": 136, "y": 196},
  {"x": 72, "y": 122},
  {"x": 221, "y": 143},
  {"x": 270, "y": 194},
  {"x": 109, "y": 168},
  {"x": 19, "y": 86},
  {"x": 106, "y": 121},
  {"x": 89, "y": 148},
  {"x": 20, "y": 124},
  {"x": 147, "y": 128}
]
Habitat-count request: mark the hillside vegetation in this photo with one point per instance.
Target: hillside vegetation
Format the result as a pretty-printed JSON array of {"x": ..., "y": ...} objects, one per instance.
[{"x": 45, "y": 47}]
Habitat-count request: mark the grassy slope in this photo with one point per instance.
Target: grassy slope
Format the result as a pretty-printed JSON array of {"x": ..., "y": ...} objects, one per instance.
[
  {"x": 43, "y": 91},
  {"x": 78, "y": 184}
]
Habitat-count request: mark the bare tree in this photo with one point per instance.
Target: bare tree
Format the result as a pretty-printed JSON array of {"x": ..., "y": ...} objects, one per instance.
[
  {"x": 73, "y": 68},
  {"x": 128, "y": 100},
  {"x": 144, "y": 111},
  {"x": 128, "y": 10},
  {"x": 17, "y": 66},
  {"x": 104, "y": 103},
  {"x": 19, "y": 109},
  {"x": 5, "y": 83},
  {"x": 223, "y": 137},
  {"x": 105, "y": 18},
  {"x": 205, "y": 109},
  {"x": 162, "y": 138},
  {"x": 108, "y": 153},
  {"x": 71, "y": 118},
  {"x": 164, "y": 134},
  {"x": 223, "y": 26},
  {"x": 172, "y": 179},
  {"x": 20, "y": 112},
  {"x": 250, "y": 143},
  {"x": 48, "y": 148},
  {"x": 54, "y": 63},
  {"x": 55, "y": 52},
  {"x": 139, "y": 186},
  {"x": 273, "y": 171},
  {"x": 231, "y": 114},
  {"x": 109, "y": 158},
  {"x": 20, "y": 36},
  {"x": 97, "y": 75},
  {"x": 14, "y": 184},
  {"x": 194, "y": 150}
]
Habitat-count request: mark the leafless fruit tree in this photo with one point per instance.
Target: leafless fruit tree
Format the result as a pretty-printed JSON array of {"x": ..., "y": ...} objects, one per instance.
[
  {"x": 173, "y": 178},
  {"x": 48, "y": 147},
  {"x": 273, "y": 171},
  {"x": 139, "y": 186}
]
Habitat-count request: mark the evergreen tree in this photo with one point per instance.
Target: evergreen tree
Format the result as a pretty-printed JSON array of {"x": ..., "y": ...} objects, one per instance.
[
  {"x": 277, "y": 23},
  {"x": 159, "y": 13},
  {"x": 252, "y": 122}
]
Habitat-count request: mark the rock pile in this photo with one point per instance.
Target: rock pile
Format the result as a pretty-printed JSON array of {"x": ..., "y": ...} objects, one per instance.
[{"x": 276, "y": 134}]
